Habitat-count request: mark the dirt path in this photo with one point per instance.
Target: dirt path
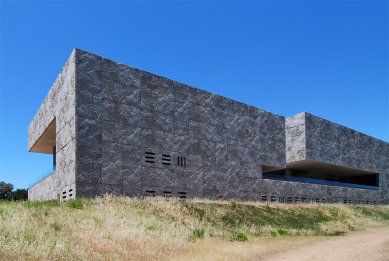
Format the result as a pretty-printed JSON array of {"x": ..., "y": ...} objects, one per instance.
[{"x": 364, "y": 245}]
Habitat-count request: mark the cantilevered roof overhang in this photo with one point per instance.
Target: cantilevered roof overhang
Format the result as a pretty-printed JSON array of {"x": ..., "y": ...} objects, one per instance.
[{"x": 46, "y": 142}]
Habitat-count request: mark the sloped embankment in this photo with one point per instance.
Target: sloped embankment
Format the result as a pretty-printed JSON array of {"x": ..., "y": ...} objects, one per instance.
[{"x": 154, "y": 228}]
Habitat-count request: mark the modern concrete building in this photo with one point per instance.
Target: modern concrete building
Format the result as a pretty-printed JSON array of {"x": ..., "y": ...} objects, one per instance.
[{"x": 115, "y": 129}]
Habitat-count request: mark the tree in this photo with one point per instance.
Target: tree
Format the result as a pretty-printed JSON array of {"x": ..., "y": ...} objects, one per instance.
[
  {"x": 20, "y": 194},
  {"x": 6, "y": 190}
]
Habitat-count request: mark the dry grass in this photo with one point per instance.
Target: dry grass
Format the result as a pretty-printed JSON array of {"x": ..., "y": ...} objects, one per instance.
[{"x": 119, "y": 228}]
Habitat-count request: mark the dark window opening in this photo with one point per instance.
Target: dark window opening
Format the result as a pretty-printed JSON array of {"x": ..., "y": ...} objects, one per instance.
[
  {"x": 181, "y": 194},
  {"x": 167, "y": 193},
  {"x": 366, "y": 180},
  {"x": 181, "y": 161},
  {"x": 150, "y": 193},
  {"x": 54, "y": 158}
]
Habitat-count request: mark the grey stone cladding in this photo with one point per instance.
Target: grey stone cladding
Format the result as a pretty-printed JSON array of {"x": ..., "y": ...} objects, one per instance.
[
  {"x": 58, "y": 108},
  {"x": 125, "y": 131},
  {"x": 309, "y": 137}
]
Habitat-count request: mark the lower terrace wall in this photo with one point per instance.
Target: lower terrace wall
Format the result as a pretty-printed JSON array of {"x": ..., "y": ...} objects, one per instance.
[
  {"x": 44, "y": 189},
  {"x": 48, "y": 188}
]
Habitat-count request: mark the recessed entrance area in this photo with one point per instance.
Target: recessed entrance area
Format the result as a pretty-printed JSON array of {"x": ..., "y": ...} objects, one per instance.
[{"x": 325, "y": 174}]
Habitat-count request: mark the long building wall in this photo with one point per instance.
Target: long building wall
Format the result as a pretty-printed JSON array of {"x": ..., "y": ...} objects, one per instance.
[
  {"x": 125, "y": 131},
  {"x": 124, "y": 113}
]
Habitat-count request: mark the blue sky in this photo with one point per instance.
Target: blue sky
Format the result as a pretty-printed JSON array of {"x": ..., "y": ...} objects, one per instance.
[{"x": 330, "y": 58}]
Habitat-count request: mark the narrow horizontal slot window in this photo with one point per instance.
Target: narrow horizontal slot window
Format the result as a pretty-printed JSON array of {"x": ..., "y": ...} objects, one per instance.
[
  {"x": 166, "y": 159},
  {"x": 181, "y": 194},
  {"x": 149, "y": 157}
]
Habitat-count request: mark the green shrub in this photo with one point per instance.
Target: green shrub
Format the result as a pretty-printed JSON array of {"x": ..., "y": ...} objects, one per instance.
[
  {"x": 200, "y": 213},
  {"x": 197, "y": 233},
  {"x": 75, "y": 203},
  {"x": 232, "y": 219},
  {"x": 240, "y": 236},
  {"x": 194, "y": 211},
  {"x": 283, "y": 232},
  {"x": 232, "y": 204},
  {"x": 151, "y": 228},
  {"x": 56, "y": 226},
  {"x": 46, "y": 203},
  {"x": 273, "y": 233}
]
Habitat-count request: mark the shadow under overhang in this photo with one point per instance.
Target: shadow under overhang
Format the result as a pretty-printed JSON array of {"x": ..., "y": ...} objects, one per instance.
[{"x": 310, "y": 165}]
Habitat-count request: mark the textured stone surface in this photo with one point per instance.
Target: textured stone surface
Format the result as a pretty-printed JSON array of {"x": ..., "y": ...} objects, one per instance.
[
  {"x": 309, "y": 137},
  {"x": 59, "y": 105},
  {"x": 126, "y": 131}
]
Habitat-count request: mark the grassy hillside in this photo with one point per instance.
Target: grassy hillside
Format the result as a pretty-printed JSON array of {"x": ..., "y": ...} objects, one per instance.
[{"x": 119, "y": 228}]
